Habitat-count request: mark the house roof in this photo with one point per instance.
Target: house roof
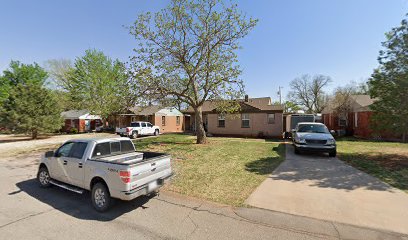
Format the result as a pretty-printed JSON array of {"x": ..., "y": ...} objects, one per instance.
[
  {"x": 253, "y": 104},
  {"x": 155, "y": 109},
  {"x": 147, "y": 110},
  {"x": 360, "y": 103},
  {"x": 79, "y": 114}
]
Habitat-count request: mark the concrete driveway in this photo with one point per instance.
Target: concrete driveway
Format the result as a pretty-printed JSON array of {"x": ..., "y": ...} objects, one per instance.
[{"x": 326, "y": 188}]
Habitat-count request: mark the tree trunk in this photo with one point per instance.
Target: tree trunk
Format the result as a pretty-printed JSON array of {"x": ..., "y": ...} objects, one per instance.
[
  {"x": 404, "y": 137},
  {"x": 34, "y": 134},
  {"x": 201, "y": 136}
]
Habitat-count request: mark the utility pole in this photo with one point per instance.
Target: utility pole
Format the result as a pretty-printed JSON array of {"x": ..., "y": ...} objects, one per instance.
[{"x": 280, "y": 94}]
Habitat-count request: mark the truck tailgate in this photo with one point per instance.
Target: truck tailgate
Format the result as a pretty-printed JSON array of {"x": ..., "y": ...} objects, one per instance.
[
  {"x": 120, "y": 130},
  {"x": 155, "y": 166}
]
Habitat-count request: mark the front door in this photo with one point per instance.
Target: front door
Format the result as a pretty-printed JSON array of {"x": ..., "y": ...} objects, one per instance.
[
  {"x": 75, "y": 168},
  {"x": 87, "y": 125},
  {"x": 59, "y": 164}
]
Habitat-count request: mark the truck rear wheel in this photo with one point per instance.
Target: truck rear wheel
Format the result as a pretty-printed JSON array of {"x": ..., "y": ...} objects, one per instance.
[
  {"x": 134, "y": 135},
  {"x": 101, "y": 199}
]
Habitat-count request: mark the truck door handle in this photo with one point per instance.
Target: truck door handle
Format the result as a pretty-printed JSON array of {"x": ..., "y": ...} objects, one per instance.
[
  {"x": 154, "y": 164},
  {"x": 153, "y": 169},
  {"x": 65, "y": 162},
  {"x": 80, "y": 165}
]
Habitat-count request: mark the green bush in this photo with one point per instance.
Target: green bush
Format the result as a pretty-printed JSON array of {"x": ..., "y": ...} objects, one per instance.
[{"x": 74, "y": 130}]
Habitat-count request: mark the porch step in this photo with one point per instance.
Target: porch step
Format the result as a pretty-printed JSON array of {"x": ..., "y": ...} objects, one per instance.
[{"x": 67, "y": 186}]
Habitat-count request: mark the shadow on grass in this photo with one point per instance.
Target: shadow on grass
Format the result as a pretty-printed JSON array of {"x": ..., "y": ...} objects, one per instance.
[
  {"x": 77, "y": 205},
  {"x": 390, "y": 168},
  {"x": 266, "y": 165}
]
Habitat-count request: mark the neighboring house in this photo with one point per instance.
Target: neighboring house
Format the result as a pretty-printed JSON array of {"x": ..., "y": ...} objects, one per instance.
[
  {"x": 356, "y": 122},
  {"x": 169, "y": 119},
  {"x": 82, "y": 120},
  {"x": 258, "y": 117}
]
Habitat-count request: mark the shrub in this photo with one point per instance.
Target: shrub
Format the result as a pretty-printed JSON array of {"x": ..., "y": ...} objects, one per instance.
[{"x": 74, "y": 130}]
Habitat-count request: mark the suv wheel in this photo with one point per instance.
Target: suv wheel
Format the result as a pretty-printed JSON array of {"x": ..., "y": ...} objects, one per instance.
[
  {"x": 156, "y": 133},
  {"x": 100, "y": 197},
  {"x": 43, "y": 177}
]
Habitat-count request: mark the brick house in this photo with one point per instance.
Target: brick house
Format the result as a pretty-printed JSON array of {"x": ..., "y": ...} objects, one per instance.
[
  {"x": 82, "y": 120},
  {"x": 356, "y": 122},
  {"x": 169, "y": 119},
  {"x": 258, "y": 117}
]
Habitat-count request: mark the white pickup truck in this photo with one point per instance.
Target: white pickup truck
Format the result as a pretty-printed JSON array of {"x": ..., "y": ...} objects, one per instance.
[
  {"x": 106, "y": 167},
  {"x": 138, "y": 128}
]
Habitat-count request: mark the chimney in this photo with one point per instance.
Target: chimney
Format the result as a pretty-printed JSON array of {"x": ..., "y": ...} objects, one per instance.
[{"x": 246, "y": 98}]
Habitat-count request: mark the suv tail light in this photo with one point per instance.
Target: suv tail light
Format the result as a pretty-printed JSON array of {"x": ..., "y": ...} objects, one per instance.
[{"x": 125, "y": 176}]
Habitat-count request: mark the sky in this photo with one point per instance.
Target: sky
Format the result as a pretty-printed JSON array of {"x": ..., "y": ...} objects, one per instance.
[{"x": 338, "y": 38}]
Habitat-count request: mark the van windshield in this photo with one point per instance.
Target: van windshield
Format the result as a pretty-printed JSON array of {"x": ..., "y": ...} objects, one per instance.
[{"x": 313, "y": 128}]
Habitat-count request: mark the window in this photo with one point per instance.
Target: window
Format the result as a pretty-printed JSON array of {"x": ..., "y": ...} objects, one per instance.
[
  {"x": 78, "y": 150},
  {"x": 133, "y": 119},
  {"x": 271, "y": 118},
  {"x": 355, "y": 119},
  {"x": 135, "y": 124},
  {"x": 64, "y": 150},
  {"x": 149, "y": 125},
  {"x": 177, "y": 120},
  {"x": 108, "y": 148},
  {"x": 143, "y": 124},
  {"x": 221, "y": 120},
  {"x": 102, "y": 149},
  {"x": 127, "y": 146},
  {"x": 115, "y": 147},
  {"x": 163, "y": 120},
  {"x": 342, "y": 121},
  {"x": 245, "y": 120}
]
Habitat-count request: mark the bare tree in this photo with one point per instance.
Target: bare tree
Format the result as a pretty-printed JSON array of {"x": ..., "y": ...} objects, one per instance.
[{"x": 308, "y": 92}]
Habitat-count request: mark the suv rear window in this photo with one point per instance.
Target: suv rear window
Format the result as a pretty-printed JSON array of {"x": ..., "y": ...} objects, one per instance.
[{"x": 117, "y": 147}]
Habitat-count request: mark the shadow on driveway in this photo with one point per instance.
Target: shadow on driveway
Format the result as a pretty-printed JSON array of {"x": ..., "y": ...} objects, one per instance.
[
  {"x": 322, "y": 171},
  {"x": 77, "y": 205}
]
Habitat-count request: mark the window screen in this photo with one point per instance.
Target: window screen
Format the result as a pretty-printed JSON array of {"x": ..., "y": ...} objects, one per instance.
[
  {"x": 221, "y": 120},
  {"x": 101, "y": 149},
  {"x": 245, "y": 120},
  {"x": 127, "y": 146},
  {"x": 78, "y": 150},
  {"x": 271, "y": 118}
]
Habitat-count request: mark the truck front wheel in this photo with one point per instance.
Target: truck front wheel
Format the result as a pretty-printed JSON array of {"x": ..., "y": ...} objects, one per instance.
[
  {"x": 156, "y": 133},
  {"x": 43, "y": 177},
  {"x": 101, "y": 199}
]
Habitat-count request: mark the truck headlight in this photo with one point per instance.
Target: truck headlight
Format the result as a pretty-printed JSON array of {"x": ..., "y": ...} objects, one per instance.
[{"x": 331, "y": 142}]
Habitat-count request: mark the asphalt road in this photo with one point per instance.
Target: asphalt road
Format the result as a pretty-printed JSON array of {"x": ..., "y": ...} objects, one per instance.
[{"x": 30, "y": 212}]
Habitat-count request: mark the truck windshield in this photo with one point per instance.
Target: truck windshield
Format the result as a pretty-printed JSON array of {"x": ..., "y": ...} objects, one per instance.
[
  {"x": 313, "y": 128},
  {"x": 117, "y": 147}
]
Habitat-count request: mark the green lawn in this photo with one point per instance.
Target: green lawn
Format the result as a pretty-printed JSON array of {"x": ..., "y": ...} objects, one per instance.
[
  {"x": 226, "y": 170},
  {"x": 385, "y": 160}
]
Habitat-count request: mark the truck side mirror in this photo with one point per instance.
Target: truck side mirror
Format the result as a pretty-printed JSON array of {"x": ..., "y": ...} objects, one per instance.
[{"x": 49, "y": 154}]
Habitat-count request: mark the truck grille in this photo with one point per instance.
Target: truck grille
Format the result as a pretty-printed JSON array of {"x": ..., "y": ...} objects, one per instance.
[{"x": 315, "y": 141}]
